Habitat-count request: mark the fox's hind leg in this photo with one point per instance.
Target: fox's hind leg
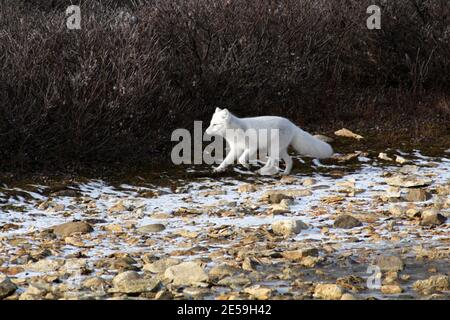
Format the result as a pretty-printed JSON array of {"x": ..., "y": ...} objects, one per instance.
[{"x": 269, "y": 169}]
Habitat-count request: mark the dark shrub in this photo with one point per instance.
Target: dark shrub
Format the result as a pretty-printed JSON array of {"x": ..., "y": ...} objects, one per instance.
[{"x": 115, "y": 90}]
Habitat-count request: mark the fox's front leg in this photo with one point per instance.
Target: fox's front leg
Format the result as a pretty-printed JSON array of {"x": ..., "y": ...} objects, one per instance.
[
  {"x": 229, "y": 159},
  {"x": 247, "y": 156},
  {"x": 243, "y": 158}
]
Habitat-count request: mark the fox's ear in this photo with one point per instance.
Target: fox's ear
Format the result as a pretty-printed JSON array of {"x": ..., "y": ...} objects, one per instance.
[
  {"x": 225, "y": 111},
  {"x": 225, "y": 114},
  {"x": 218, "y": 110}
]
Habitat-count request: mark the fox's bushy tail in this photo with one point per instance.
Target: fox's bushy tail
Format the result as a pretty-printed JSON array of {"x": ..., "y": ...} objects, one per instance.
[{"x": 308, "y": 145}]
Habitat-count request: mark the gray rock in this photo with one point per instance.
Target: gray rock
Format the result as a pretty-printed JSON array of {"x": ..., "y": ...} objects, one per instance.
[
  {"x": 186, "y": 273},
  {"x": 69, "y": 228},
  {"x": 397, "y": 211},
  {"x": 408, "y": 181},
  {"x": 432, "y": 217},
  {"x": 132, "y": 282},
  {"x": 417, "y": 194},
  {"x": 391, "y": 289},
  {"x": 160, "y": 265},
  {"x": 247, "y": 187},
  {"x": 409, "y": 169},
  {"x": 299, "y": 254},
  {"x": 413, "y": 213},
  {"x": 44, "y": 265},
  {"x": 7, "y": 287},
  {"x": 432, "y": 284},
  {"x": 34, "y": 292},
  {"x": 390, "y": 263},
  {"x": 346, "y": 221},
  {"x": 307, "y": 182},
  {"x": 348, "y": 296},
  {"x": 222, "y": 271},
  {"x": 151, "y": 228},
  {"x": 123, "y": 264},
  {"x": 95, "y": 283},
  {"x": 275, "y": 196},
  {"x": 288, "y": 227},
  {"x": 234, "y": 281},
  {"x": 66, "y": 193},
  {"x": 328, "y": 291}
]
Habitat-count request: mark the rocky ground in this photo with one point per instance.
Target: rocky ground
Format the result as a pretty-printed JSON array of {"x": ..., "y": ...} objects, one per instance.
[{"x": 329, "y": 233}]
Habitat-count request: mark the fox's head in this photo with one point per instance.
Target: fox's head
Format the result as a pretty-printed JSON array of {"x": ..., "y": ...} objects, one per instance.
[{"x": 219, "y": 122}]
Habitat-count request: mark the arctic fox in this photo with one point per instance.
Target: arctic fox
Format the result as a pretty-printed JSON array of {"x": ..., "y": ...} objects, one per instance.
[{"x": 233, "y": 129}]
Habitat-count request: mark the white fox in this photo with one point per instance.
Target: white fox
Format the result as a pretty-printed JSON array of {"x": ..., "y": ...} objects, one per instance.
[{"x": 233, "y": 129}]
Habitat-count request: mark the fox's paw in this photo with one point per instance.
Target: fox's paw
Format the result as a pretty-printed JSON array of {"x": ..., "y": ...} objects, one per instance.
[
  {"x": 268, "y": 171},
  {"x": 219, "y": 169},
  {"x": 245, "y": 165}
]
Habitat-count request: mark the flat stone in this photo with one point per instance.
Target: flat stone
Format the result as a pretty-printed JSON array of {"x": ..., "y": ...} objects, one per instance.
[
  {"x": 384, "y": 156},
  {"x": 151, "y": 228},
  {"x": 300, "y": 253},
  {"x": 234, "y": 281},
  {"x": 259, "y": 292},
  {"x": 432, "y": 284},
  {"x": 401, "y": 160},
  {"x": 69, "y": 228},
  {"x": 390, "y": 263},
  {"x": 288, "y": 180},
  {"x": 279, "y": 208},
  {"x": 397, "y": 211},
  {"x": 432, "y": 217},
  {"x": 118, "y": 207},
  {"x": 132, "y": 282},
  {"x": 34, "y": 292},
  {"x": 413, "y": 213},
  {"x": 114, "y": 228},
  {"x": 44, "y": 265},
  {"x": 308, "y": 182},
  {"x": 347, "y": 134},
  {"x": 391, "y": 289},
  {"x": 417, "y": 194},
  {"x": 310, "y": 261},
  {"x": 7, "y": 287},
  {"x": 160, "y": 266},
  {"x": 408, "y": 181},
  {"x": 328, "y": 291},
  {"x": 211, "y": 193},
  {"x": 222, "y": 271},
  {"x": 247, "y": 187},
  {"x": 275, "y": 196},
  {"x": 186, "y": 273},
  {"x": 348, "y": 296},
  {"x": 288, "y": 227},
  {"x": 66, "y": 193},
  {"x": 95, "y": 283},
  {"x": 346, "y": 221}
]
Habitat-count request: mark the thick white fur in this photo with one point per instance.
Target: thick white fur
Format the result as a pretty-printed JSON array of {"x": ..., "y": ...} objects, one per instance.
[{"x": 289, "y": 134}]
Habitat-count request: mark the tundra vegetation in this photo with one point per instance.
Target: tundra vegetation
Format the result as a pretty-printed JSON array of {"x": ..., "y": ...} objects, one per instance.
[{"x": 114, "y": 91}]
